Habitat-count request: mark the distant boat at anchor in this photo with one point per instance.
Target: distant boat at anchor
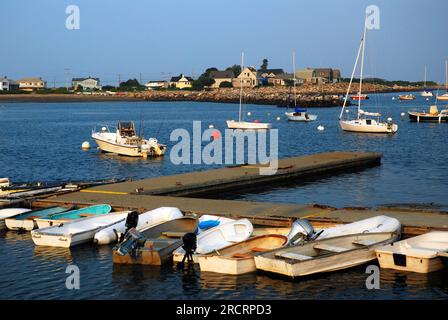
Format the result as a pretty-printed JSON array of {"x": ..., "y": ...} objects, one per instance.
[
  {"x": 406, "y": 97},
  {"x": 125, "y": 141}
]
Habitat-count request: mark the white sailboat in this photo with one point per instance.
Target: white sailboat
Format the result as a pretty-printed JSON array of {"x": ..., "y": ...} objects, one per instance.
[
  {"x": 425, "y": 93},
  {"x": 298, "y": 114},
  {"x": 240, "y": 124},
  {"x": 444, "y": 97},
  {"x": 364, "y": 122}
]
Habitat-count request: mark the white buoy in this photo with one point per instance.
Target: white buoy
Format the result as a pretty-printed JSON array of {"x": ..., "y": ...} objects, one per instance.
[
  {"x": 211, "y": 126},
  {"x": 321, "y": 128},
  {"x": 403, "y": 114},
  {"x": 347, "y": 111},
  {"x": 389, "y": 119},
  {"x": 85, "y": 145},
  {"x": 427, "y": 99},
  {"x": 249, "y": 113},
  {"x": 103, "y": 129},
  {"x": 278, "y": 118}
]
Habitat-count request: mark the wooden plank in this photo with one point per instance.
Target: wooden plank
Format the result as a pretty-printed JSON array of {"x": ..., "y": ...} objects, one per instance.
[{"x": 327, "y": 247}]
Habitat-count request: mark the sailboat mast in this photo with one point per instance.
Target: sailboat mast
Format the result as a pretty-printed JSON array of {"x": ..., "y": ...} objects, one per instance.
[
  {"x": 446, "y": 75},
  {"x": 362, "y": 66},
  {"x": 294, "y": 77},
  {"x": 241, "y": 86},
  {"x": 424, "y": 85},
  {"x": 351, "y": 79}
]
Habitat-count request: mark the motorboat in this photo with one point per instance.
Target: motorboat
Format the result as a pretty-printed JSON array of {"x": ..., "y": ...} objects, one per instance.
[
  {"x": 145, "y": 220},
  {"x": 300, "y": 115},
  {"x": 357, "y": 97},
  {"x": 125, "y": 141},
  {"x": 406, "y": 97},
  {"x": 433, "y": 115}
]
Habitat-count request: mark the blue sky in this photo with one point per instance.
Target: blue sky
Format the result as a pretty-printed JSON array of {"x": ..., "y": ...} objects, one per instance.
[{"x": 157, "y": 38}]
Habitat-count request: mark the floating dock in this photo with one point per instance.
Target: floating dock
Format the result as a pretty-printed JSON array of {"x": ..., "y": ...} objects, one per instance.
[{"x": 182, "y": 191}]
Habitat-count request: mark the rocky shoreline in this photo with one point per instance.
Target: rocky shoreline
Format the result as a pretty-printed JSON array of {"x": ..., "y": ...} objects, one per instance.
[{"x": 328, "y": 95}]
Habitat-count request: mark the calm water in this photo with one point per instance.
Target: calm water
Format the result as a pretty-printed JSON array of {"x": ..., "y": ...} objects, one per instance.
[{"x": 41, "y": 142}]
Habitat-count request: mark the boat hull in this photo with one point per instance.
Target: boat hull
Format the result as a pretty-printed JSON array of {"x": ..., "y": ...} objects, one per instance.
[
  {"x": 127, "y": 150},
  {"x": 421, "y": 254},
  {"x": 27, "y": 221},
  {"x": 301, "y": 118},
  {"x": 409, "y": 263},
  {"x": 354, "y": 126},
  {"x": 9, "y": 213},
  {"x": 155, "y": 252},
  {"x": 425, "y": 117},
  {"x": 244, "y": 125}
]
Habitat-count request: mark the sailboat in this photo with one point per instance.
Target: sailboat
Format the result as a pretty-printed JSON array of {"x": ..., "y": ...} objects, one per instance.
[
  {"x": 444, "y": 97},
  {"x": 424, "y": 92},
  {"x": 298, "y": 114},
  {"x": 240, "y": 124},
  {"x": 364, "y": 122}
]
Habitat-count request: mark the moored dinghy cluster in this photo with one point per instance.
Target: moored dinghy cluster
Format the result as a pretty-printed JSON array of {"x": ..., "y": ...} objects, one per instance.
[{"x": 229, "y": 246}]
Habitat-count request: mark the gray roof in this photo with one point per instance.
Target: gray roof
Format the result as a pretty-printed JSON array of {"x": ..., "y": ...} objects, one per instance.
[
  {"x": 82, "y": 79},
  {"x": 274, "y": 71},
  {"x": 222, "y": 74}
]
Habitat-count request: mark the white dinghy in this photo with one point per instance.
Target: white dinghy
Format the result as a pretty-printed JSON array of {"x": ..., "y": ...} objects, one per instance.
[
  {"x": 145, "y": 220},
  {"x": 422, "y": 254},
  {"x": 69, "y": 234},
  {"x": 208, "y": 221},
  {"x": 9, "y": 213},
  {"x": 218, "y": 237},
  {"x": 370, "y": 225}
]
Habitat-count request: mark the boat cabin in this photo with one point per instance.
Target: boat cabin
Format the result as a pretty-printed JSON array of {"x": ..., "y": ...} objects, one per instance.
[{"x": 126, "y": 129}]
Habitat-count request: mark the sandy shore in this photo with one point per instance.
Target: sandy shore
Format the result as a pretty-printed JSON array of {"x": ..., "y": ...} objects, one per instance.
[{"x": 307, "y": 95}]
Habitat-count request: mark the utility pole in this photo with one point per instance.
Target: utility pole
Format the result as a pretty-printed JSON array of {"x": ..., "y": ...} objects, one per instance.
[
  {"x": 119, "y": 80},
  {"x": 140, "y": 78},
  {"x": 67, "y": 74}
]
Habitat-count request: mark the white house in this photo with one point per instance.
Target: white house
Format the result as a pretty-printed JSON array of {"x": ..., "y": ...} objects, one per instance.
[
  {"x": 32, "y": 83},
  {"x": 8, "y": 84},
  {"x": 156, "y": 84},
  {"x": 86, "y": 83}
]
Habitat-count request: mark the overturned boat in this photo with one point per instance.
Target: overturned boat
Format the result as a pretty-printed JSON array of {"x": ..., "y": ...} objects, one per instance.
[{"x": 125, "y": 141}]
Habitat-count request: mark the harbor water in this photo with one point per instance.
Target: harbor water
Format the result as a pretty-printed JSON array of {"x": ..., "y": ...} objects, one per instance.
[{"x": 42, "y": 142}]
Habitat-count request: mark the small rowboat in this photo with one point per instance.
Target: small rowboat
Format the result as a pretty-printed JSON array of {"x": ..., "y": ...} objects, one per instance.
[
  {"x": 406, "y": 97},
  {"x": 145, "y": 220},
  {"x": 324, "y": 255},
  {"x": 8, "y": 213},
  {"x": 75, "y": 232},
  {"x": 239, "y": 257},
  {"x": 359, "y": 97},
  {"x": 422, "y": 254},
  {"x": 56, "y": 219},
  {"x": 26, "y": 221},
  {"x": 159, "y": 242},
  {"x": 217, "y": 238}
]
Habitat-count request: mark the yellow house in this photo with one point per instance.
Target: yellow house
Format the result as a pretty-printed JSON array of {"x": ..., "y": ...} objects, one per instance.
[
  {"x": 181, "y": 82},
  {"x": 248, "y": 78}
]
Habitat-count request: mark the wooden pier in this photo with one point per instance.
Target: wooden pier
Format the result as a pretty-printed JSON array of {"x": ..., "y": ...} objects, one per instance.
[{"x": 182, "y": 190}]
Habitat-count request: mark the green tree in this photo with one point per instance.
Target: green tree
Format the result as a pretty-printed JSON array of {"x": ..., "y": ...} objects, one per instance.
[
  {"x": 204, "y": 80},
  {"x": 225, "y": 84},
  {"x": 264, "y": 64},
  {"x": 236, "y": 69}
]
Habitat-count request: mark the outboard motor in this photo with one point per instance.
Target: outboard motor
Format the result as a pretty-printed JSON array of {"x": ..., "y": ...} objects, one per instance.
[
  {"x": 132, "y": 241},
  {"x": 301, "y": 231},
  {"x": 131, "y": 222},
  {"x": 189, "y": 245}
]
